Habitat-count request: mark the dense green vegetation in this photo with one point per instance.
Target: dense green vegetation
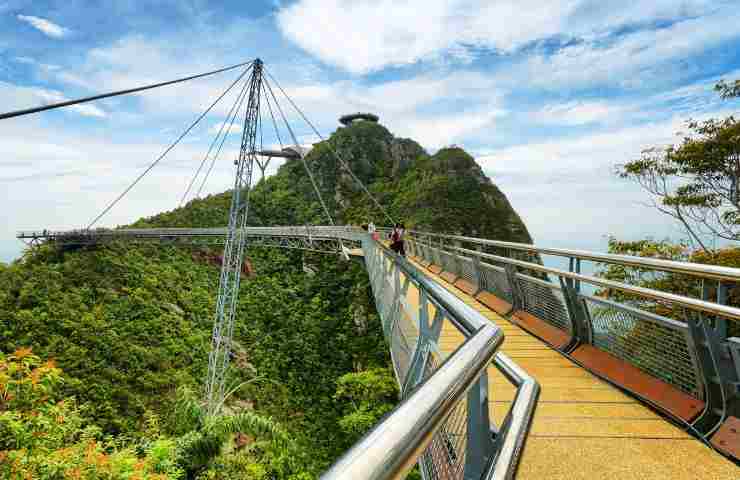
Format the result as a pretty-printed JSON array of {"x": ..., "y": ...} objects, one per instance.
[
  {"x": 129, "y": 329},
  {"x": 444, "y": 192}
]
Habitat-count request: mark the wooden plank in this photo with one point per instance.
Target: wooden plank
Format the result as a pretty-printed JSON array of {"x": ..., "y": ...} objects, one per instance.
[
  {"x": 449, "y": 277},
  {"x": 635, "y": 380},
  {"x": 727, "y": 438},
  {"x": 465, "y": 286},
  {"x": 491, "y": 301},
  {"x": 541, "y": 329}
]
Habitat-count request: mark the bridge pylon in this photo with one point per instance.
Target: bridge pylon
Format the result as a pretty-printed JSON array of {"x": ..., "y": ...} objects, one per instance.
[{"x": 234, "y": 248}]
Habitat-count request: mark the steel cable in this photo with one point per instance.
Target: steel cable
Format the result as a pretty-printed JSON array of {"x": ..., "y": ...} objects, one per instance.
[
  {"x": 331, "y": 149},
  {"x": 213, "y": 143},
  {"x": 303, "y": 157},
  {"x": 150, "y": 167},
  {"x": 68, "y": 103},
  {"x": 223, "y": 140}
]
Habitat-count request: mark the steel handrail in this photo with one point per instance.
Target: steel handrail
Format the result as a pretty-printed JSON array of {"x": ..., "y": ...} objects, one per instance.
[
  {"x": 314, "y": 231},
  {"x": 695, "y": 269},
  {"x": 514, "y": 431},
  {"x": 395, "y": 443},
  {"x": 692, "y": 303},
  {"x": 393, "y": 446}
]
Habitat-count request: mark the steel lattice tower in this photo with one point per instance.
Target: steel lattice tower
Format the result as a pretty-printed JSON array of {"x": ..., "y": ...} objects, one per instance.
[{"x": 236, "y": 243}]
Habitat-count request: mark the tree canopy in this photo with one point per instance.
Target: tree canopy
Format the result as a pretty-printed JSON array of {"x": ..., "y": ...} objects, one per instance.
[{"x": 697, "y": 182}]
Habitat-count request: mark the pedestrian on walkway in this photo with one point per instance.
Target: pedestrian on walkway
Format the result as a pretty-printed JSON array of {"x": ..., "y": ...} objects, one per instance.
[
  {"x": 397, "y": 239},
  {"x": 371, "y": 230},
  {"x": 401, "y": 239}
]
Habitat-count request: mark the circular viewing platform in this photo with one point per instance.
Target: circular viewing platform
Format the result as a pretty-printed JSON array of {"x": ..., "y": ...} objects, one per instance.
[{"x": 353, "y": 117}]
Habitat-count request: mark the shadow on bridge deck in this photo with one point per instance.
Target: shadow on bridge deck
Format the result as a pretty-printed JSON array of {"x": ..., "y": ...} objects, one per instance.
[{"x": 584, "y": 428}]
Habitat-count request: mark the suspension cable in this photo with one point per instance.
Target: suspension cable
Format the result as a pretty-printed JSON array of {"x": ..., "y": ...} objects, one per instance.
[
  {"x": 303, "y": 157},
  {"x": 223, "y": 140},
  {"x": 213, "y": 143},
  {"x": 150, "y": 167},
  {"x": 274, "y": 123},
  {"x": 331, "y": 149},
  {"x": 68, "y": 103}
]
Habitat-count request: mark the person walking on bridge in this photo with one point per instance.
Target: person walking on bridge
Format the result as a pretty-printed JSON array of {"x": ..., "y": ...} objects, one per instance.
[
  {"x": 371, "y": 230},
  {"x": 397, "y": 239}
]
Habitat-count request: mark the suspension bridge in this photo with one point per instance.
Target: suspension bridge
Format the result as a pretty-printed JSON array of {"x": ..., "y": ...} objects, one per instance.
[{"x": 507, "y": 368}]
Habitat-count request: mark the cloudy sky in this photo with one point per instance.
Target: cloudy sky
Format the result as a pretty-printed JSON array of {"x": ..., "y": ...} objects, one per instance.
[{"x": 548, "y": 95}]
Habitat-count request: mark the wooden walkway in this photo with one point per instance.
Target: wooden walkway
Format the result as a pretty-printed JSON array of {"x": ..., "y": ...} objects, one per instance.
[{"x": 583, "y": 427}]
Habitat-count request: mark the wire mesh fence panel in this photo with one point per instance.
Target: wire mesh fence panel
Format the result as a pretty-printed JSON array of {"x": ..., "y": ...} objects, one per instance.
[
  {"x": 444, "y": 458},
  {"x": 467, "y": 270},
  {"x": 387, "y": 305},
  {"x": 424, "y": 252},
  {"x": 654, "y": 344},
  {"x": 434, "y": 256},
  {"x": 401, "y": 352},
  {"x": 448, "y": 262},
  {"x": 411, "y": 248},
  {"x": 494, "y": 280},
  {"x": 543, "y": 300},
  {"x": 408, "y": 327}
]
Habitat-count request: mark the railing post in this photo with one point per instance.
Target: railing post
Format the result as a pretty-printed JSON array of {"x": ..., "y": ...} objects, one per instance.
[
  {"x": 580, "y": 321},
  {"x": 477, "y": 272},
  {"x": 428, "y": 335},
  {"x": 722, "y": 295},
  {"x": 479, "y": 436},
  {"x": 708, "y": 353},
  {"x": 733, "y": 346},
  {"x": 517, "y": 297}
]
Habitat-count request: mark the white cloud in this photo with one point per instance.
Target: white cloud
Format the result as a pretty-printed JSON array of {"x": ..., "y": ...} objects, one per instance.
[
  {"x": 567, "y": 193},
  {"x": 18, "y": 97},
  {"x": 434, "y": 110},
  {"x": 367, "y": 35},
  {"x": 589, "y": 152},
  {"x": 48, "y": 28},
  {"x": 579, "y": 113},
  {"x": 641, "y": 59},
  {"x": 60, "y": 179},
  {"x": 235, "y": 128}
]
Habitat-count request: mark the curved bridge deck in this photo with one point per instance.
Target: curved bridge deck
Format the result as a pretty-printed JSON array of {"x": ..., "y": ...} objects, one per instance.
[{"x": 583, "y": 426}]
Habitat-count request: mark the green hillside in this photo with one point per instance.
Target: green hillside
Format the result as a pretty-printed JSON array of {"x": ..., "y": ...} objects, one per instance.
[{"x": 128, "y": 329}]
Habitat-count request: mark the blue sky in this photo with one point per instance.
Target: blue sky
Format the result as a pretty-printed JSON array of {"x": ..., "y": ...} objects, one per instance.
[{"x": 548, "y": 95}]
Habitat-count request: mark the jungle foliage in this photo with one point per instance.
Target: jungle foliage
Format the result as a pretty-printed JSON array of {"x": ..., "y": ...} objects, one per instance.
[{"x": 115, "y": 339}]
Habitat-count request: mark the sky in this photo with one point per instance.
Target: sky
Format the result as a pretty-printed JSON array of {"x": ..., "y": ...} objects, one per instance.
[{"x": 549, "y": 96}]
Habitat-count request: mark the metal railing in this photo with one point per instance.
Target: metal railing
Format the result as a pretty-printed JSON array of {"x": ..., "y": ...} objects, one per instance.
[
  {"x": 442, "y": 421},
  {"x": 682, "y": 341},
  {"x": 325, "y": 239},
  {"x": 686, "y": 348}
]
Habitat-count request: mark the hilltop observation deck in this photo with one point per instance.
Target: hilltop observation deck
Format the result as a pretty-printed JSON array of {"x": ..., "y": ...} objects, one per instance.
[{"x": 351, "y": 118}]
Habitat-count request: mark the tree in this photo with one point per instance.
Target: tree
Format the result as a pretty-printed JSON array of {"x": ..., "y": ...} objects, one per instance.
[
  {"x": 698, "y": 181},
  {"x": 728, "y": 90}
]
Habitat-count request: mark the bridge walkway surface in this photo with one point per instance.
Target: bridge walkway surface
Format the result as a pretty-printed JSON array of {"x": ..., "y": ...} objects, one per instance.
[{"x": 583, "y": 427}]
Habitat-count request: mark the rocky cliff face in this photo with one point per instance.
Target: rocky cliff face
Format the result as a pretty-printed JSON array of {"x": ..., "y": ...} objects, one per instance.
[{"x": 445, "y": 192}]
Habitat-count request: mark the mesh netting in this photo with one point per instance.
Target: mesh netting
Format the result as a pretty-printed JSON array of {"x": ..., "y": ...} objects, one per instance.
[
  {"x": 652, "y": 343},
  {"x": 494, "y": 280},
  {"x": 544, "y": 300}
]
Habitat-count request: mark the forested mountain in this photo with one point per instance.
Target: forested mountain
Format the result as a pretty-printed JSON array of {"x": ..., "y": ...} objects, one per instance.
[{"x": 103, "y": 351}]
